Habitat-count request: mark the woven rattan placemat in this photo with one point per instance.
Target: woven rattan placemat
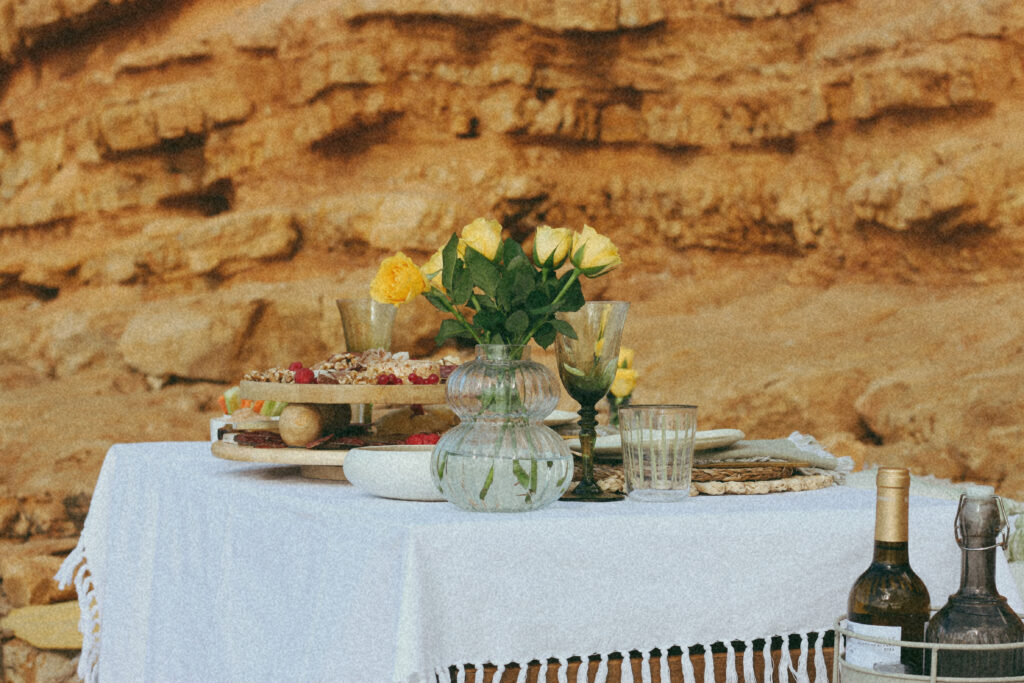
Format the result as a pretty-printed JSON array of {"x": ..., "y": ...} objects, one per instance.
[{"x": 610, "y": 478}]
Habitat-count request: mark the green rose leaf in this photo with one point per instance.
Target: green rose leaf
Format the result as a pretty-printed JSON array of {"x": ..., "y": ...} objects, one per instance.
[
  {"x": 517, "y": 323},
  {"x": 483, "y": 271},
  {"x": 511, "y": 250},
  {"x": 563, "y": 328},
  {"x": 545, "y": 335},
  {"x": 538, "y": 301},
  {"x": 451, "y": 328},
  {"x": 489, "y": 319},
  {"x": 436, "y": 300},
  {"x": 573, "y": 299},
  {"x": 462, "y": 286},
  {"x": 449, "y": 259},
  {"x": 518, "y": 282}
]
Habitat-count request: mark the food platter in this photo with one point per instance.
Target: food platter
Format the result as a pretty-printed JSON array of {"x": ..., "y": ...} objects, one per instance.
[
  {"x": 314, "y": 463},
  {"x": 393, "y": 394}
]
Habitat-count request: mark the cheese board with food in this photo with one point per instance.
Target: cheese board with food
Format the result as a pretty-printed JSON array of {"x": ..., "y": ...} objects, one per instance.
[{"x": 315, "y": 428}]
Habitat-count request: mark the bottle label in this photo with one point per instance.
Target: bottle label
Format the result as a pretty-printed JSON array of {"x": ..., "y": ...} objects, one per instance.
[{"x": 867, "y": 654}]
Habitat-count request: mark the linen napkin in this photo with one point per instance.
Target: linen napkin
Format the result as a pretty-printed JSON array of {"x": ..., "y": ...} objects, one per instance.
[{"x": 796, "y": 447}]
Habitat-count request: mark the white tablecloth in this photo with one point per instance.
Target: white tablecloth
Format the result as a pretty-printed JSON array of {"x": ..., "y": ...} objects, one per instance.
[{"x": 204, "y": 569}]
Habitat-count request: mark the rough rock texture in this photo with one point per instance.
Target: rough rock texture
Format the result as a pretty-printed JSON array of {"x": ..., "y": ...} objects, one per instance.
[{"x": 820, "y": 206}]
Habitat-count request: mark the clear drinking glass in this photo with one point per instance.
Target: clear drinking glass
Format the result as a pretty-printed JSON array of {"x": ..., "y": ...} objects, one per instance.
[
  {"x": 586, "y": 366},
  {"x": 657, "y": 450},
  {"x": 367, "y": 325}
]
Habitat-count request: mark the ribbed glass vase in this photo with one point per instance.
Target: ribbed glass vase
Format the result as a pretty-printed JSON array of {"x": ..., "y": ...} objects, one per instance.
[{"x": 501, "y": 457}]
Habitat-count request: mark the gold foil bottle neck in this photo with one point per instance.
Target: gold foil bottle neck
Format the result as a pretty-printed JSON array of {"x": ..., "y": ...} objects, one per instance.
[
  {"x": 893, "y": 489},
  {"x": 893, "y": 477}
]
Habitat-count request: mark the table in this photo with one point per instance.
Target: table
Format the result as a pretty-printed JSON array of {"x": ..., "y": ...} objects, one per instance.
[{"x": 204, "y": 569}]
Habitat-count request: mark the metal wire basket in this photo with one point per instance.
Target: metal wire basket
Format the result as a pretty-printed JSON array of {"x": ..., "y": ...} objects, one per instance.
[{"x": 845, "y": 672}]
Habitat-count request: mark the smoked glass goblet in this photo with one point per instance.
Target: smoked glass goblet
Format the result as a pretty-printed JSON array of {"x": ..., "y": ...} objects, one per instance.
[
  {"x": 367, "y": 325},
  {"x": 586, "y": 366}
]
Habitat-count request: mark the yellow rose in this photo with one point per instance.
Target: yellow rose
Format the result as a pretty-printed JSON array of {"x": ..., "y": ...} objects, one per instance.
[
  {"x": 624, "y": 382},
  {"x": 482, "y": 235},
  {"x": 625, "y": 357},
  {"x": 593, "y": 253},
  {"x": 551, "y": 246},
  {"x": 397, "y": 281},
  {"x": 432, "y": 269}
]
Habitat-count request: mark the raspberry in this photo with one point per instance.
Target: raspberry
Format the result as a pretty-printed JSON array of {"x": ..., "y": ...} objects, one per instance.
[
  {"x": 297, "y": 365},
  {"x": 422, "y": 438},
  {"x": 305, "y": 376},
  {"x": 432, "y": 379}
]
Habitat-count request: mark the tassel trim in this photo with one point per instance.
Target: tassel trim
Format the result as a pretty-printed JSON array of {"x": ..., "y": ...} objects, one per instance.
[{"x": 75, "y": 569}]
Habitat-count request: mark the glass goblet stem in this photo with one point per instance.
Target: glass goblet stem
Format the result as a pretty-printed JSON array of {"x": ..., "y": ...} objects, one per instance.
[{"x": 588, "y": 435}]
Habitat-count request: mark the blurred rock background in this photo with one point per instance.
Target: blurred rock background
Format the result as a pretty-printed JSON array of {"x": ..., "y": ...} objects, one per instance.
[{"x": 820, "y": 205}]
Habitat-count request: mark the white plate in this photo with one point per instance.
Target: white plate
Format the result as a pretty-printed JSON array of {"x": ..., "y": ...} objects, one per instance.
[
  {"x": 704, "y": 440},
  {"x": 400, "y": 472},
  {"x": 716, "y": 438},
  {"x": 560, "y": 417}
]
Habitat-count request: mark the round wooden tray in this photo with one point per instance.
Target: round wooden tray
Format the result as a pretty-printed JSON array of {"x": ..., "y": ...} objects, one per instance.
[
  {"x": 744, "y": 471},
  {"x": 317, "y": 464},
  {"x": 393, "y": 394}
]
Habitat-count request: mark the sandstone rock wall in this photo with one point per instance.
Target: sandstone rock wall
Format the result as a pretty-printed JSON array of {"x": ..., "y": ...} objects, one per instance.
[{"x": 820, "y": 205}]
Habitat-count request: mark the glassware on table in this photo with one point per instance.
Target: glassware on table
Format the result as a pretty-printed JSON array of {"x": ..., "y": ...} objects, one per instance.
[
  {"x": 367, "y": 325},
  {"x": 977, "y": 614},
  {"x": 501, "y": 457},
  {"x": 587, "y": 366},
  {"x": 657, "y": 450}
]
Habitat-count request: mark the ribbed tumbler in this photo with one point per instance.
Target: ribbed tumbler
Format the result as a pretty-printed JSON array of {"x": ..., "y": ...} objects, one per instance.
[{"x": 657, "y": 450}]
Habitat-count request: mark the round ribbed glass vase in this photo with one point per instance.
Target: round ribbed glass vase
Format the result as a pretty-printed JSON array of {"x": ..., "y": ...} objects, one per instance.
[{"x": 501, "y": 457}]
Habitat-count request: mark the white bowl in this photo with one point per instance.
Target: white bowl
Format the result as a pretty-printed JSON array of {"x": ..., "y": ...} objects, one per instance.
[{"x": 401, "y": 472}]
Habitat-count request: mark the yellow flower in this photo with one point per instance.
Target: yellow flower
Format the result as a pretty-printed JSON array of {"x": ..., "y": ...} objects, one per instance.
[
  {"x": 397, "y": 281},
  {"x": 551, "y": 246},
  {"x": 482, "y": 235},
  {"x": 624, "y": 382},
  {"x": 432, "y": 269},
  {"x": 626, "y": 357},
  {"x": 593, "y": 253}
]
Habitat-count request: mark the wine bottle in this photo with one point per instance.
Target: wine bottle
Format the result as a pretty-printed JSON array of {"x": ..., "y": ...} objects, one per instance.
[
  {"x": 889, "y": 600},
  {"x": 977, "y": 613}
]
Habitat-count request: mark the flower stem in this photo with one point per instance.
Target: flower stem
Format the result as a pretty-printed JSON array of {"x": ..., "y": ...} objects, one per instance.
[
  {"x": 554, "y": 304},
  {"x": 459, "y": 317}
]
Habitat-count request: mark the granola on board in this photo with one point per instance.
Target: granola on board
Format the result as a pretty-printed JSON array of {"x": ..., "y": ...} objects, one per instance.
[{"x": 376, "y": 366}]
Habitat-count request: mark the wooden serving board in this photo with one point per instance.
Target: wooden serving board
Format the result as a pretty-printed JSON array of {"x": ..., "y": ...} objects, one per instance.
[
  {"x": 313, "y": 463},
  {"x": 386, "y": 394}
]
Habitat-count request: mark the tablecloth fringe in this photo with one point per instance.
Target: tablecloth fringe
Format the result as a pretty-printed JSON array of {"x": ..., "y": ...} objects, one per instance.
[
  {"x": 787, "y": 670},
  {"x": 75, "y": 569}
]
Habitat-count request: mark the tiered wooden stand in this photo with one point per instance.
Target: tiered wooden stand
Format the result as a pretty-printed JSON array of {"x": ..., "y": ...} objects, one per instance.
[{"x": 317, "y": 463}]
